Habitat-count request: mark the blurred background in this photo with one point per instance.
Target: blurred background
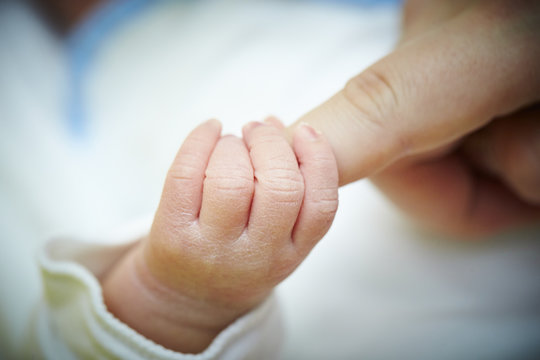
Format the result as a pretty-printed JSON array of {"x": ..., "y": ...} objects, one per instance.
[{"x": 97, "y": 96}]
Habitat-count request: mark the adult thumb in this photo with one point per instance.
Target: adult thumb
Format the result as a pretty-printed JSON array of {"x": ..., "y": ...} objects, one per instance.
[{"x": 434, "y": 89}]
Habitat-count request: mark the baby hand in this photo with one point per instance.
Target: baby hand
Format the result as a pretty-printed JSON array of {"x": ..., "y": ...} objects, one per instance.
[{"x": 236, "y": 217}]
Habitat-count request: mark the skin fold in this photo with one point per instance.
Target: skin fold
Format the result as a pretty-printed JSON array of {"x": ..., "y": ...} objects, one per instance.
[
  {"x": 446, "y": 126},
  {"x": 236, "y": 217}
]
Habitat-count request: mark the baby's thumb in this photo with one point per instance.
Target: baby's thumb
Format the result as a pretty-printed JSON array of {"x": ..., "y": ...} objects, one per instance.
[{"x": 431, "y": 91}]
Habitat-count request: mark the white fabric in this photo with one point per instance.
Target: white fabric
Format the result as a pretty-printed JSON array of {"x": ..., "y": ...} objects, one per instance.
[
  {"x": 73, "y": 322},
  {"x": 374, "y": 288}
]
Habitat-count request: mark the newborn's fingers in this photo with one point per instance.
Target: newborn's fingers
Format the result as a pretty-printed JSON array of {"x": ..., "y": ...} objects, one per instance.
[
  {"x": 319, "y": 169},
  {"x": 274, "y": 121},
  {"x": 228, "y": 189},
  {"x": 182, "y": 193},
  {"x": 279, "y": 187}
]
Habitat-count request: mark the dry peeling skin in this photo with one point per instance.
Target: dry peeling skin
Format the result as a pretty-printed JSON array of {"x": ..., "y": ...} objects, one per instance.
[{"x": 254, "y": 210}]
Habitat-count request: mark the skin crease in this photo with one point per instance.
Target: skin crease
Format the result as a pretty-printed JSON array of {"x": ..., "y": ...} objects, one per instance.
[
  {"x": 432, "y": 119},
  {"x": 236, "y": 217}
]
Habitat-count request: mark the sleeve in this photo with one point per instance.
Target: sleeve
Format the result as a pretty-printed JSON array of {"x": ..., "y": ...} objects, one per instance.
[{"x": 72, "y": 322}]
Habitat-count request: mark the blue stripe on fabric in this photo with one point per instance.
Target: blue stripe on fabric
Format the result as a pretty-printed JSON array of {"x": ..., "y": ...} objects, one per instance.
[
  {"x": 84, "y": 42},
  {"x": 366, "y": 3},
  {"x": 82, "y": 47}
]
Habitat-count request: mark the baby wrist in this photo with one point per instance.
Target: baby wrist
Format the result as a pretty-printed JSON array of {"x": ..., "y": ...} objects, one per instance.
[{"x": 169, "y": 318}]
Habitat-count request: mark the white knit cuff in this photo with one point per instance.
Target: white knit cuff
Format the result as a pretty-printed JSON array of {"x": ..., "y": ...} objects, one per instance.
[{"x": 73, "y": 322}]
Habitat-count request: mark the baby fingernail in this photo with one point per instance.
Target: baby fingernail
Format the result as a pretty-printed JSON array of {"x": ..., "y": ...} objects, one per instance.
[
  {"x": 308, "y": 132},
  {"x": 251, "y": 125},
  {"x": 273, "y": 121}
]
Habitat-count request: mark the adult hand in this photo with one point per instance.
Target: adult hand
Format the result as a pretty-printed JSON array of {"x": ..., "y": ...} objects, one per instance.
[{"x": 447, "y": 125}]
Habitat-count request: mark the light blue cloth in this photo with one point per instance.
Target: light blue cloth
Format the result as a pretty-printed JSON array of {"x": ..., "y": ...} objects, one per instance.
[
  {"x": 84, "y": 42},
  {"x": 83, "y": 45}
]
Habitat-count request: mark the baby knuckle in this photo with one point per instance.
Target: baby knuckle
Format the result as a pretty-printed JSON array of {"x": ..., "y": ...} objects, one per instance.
[
  {"x": 230, "y": 184},
  {"x": 325, "y": 166},
  {"x": 263, "y": 143},
  {"x": 282, "y": 182},
  {"x": 284, "y": 191},
  {"x": 184, "y": 171},
  {"x": 196, "y": 141},
  {"x": 326, "y": 206}
]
